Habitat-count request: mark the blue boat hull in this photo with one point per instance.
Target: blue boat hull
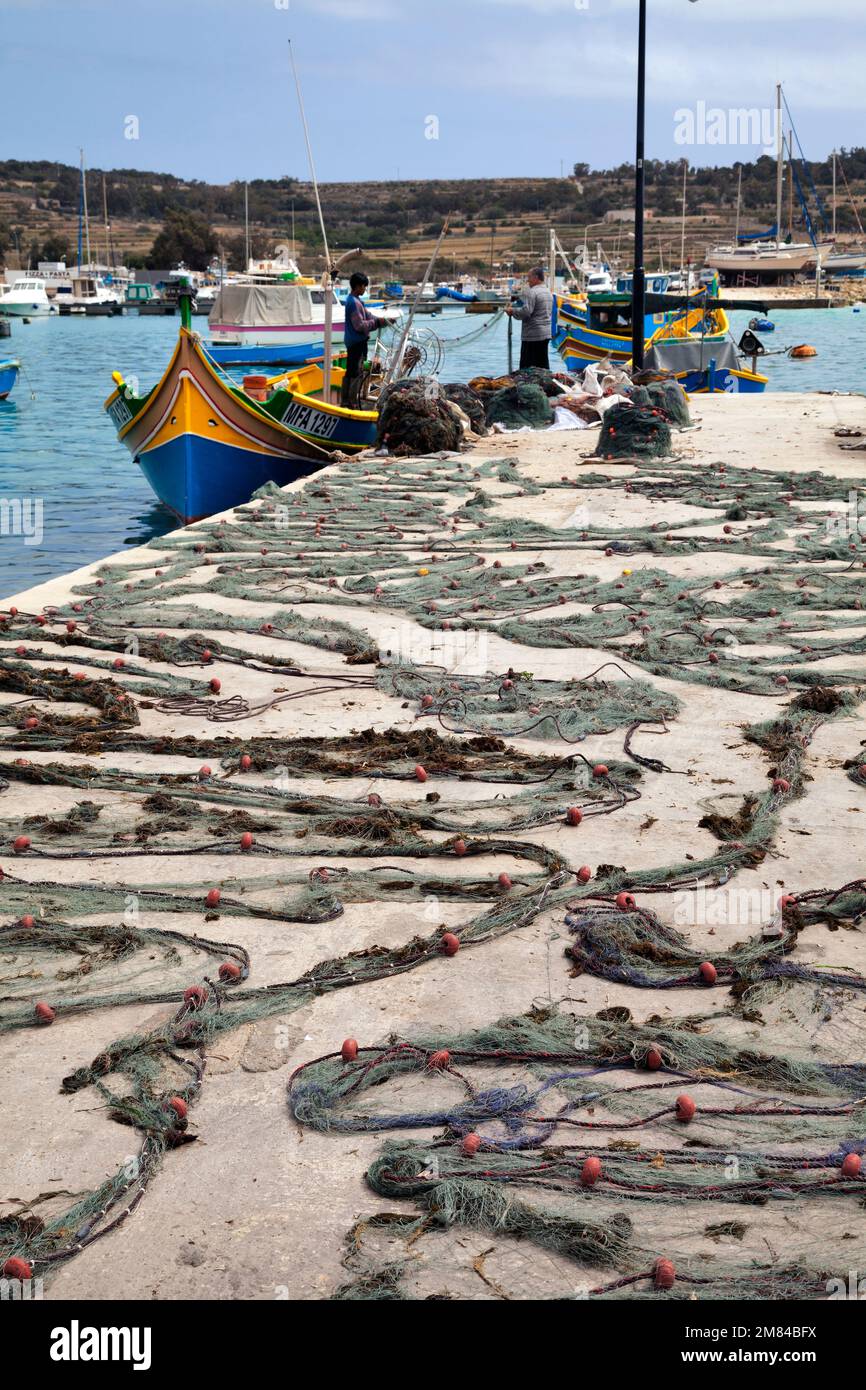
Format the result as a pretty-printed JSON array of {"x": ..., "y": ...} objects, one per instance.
[
  {"x": 8, "y": 378},
  {"x": 278, "y": 355},
  {"x": 197, "y": 477}
]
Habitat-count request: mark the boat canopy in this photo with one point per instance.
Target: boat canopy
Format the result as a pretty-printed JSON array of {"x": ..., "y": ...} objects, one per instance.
[
  {"x": 691, "y": 355},
  {"x": 256, "y": 306}
]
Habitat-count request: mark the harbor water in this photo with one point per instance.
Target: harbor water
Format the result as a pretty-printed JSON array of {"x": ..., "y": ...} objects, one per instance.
[{"x": 60, "y": 454}]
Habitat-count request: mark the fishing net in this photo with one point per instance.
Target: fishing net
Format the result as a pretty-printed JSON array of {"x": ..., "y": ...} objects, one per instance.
[
  {"x": 516, "y": 406},
  {"x": 522, "y": 1107},
  {"x": 414, "y": 418},
  {"x": 470, "y": 402},
  {"x": 629, "y": 431},
  {"x": 460, "y": 782}
]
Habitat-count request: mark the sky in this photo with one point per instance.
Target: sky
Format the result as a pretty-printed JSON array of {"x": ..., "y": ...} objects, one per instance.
[{"x": 414, "y": 89}]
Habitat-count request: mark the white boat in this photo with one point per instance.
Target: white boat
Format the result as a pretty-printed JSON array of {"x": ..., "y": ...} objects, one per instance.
[
  {"x": 271, "y": 315},
  {"x": 89, "y": 295},
  {"x": 26, "y": 297}
]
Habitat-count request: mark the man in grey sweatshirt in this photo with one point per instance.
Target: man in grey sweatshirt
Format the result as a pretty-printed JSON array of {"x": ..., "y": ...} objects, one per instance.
[{"x": 535, "y": 312}]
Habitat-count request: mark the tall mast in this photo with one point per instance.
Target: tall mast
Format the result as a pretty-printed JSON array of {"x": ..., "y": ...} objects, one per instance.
[
  {"x": 84, "y": 202},
  {"x": 739, "y": 195},
  {"x": 683, "y": 223},
  {"x": 834, "y": 195},
  {"x": 791, "y": 183},
  {"x": 779, "y": 162},
  {"x": 108, "y": 256},
  {"x": 80, "y": 207},
  {"x": 247, "y": 224}
]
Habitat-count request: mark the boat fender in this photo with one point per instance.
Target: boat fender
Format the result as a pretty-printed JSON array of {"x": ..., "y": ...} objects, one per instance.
[
  {"x": 256, "y": 387},
  {"x": 803, "y": 350}
]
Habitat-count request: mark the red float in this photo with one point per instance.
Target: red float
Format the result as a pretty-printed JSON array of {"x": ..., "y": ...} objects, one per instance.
[
  {"x": 664, "y": 1274},
  {"x": 229, "y": 970},
  {"x": 601, "y": 770},
  {"x": 420, "y": 773},
  {"x": 471, "y": 1144},
  {"x": 574, "y": 815},
  {"x": 179, "y": 1106},
  {"x": 246, "y": 762},
  {"x": 27, "y": 921},
  {"x": 591, "y": 1171},
  {"x": 707, "y": 972},
  {"x": 247, "y": 840},
  {"x": 195, "y": 996},
  {"x": 44, "y": 1013},
  {"x": 204, "y": 772},
  {"x": 504, "y": 881},
  {"x": 213, "y": 897},
  {"x": 449, "y": 943},
  {"x": 781, "y": 784},
  {"x": 851, "y": 1165},
  {"x": 625, "y": 902},
  {"x": 653, "y": 1059},
  {"x": 685, "y": 1109},
  {"x": 584, "y": 874},
  {"x": 216, "y": 685},
  {"x": 21, "y": 844},
  {"x": 440, "y": 1059},
  {"x": 460, "y": 848},
  {"x": 17, "y": 1269}
]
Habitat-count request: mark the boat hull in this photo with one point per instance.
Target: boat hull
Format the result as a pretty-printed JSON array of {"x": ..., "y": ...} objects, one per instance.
[
  {"x": 197, "y": 477},
  {"x": 204, "y": 445},
  {"x": 8, "y": 378},
  {"x": 265, "y": 354}
]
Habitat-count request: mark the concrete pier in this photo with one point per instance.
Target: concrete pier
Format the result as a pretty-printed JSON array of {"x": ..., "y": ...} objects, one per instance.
[{"x": 258, "y": 1208}]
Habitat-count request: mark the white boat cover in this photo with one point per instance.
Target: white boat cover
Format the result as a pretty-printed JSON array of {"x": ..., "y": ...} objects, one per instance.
[{"x": 254, "y": 306}]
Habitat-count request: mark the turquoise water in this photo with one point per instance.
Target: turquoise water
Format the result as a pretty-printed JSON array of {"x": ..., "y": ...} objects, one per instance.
[{"x": 61, "y": 449}]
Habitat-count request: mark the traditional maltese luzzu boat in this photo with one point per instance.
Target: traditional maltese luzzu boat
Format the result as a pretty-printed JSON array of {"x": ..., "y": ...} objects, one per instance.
[{"x": 205, "y": 442}]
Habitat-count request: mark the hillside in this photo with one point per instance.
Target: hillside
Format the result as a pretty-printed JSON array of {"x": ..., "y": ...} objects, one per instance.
[{"x": 396, "y": 223}]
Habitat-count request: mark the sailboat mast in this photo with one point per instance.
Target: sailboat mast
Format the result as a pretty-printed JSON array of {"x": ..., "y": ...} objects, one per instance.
[
  {"x": 791, "y": 183},
  {"x": 739, "y": 196},
  {"x": 834, "y": 194},
  {"x": 247, "y": 224},
  {"x": 80, "y": 207},
  {"x": 86, "y": 217},
  {"x": 683, "y": 223},
  {"x": 108, "y": 253},
  {"x": 779, "y": 162}
]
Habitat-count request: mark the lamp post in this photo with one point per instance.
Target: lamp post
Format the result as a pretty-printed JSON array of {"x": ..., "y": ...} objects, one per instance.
[
  {"x": 638, "y": 301},
  {"x": 638, "y": 288}
]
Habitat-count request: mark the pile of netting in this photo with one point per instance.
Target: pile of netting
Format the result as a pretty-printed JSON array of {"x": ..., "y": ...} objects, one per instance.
[
  {"x": 416, "y": 418},
  {"x": 514, "y": 407},
  {"x": 635, "y": 430},
  {"x": 535, "y": 1115}
]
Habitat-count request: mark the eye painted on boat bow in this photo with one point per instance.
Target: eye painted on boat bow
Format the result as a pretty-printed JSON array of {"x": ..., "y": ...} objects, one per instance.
[{"x": 213, "y": 424}]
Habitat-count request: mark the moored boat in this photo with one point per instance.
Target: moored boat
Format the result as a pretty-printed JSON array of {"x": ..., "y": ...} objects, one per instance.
[
  {"x": 205, "y": 443},
  {"x": 9, "y": 369},
  {"x": 25, "y": 298}
]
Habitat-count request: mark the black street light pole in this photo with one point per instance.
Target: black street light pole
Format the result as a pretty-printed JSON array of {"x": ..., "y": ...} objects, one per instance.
[{"x": 639, "y": 279}]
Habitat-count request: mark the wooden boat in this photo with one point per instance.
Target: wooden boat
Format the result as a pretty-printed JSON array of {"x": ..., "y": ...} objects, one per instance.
[
  {"x": 205, "y": 443},
  {"x": 598, "y": 327},
  {"x": 8, "y": 375}
]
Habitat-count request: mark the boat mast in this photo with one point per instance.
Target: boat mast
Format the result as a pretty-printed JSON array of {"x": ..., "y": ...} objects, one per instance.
[
  {"x": 834, "y": 194},
  {"x": 791, "y": 183},
  {"x": 84, "y": 202},
  {"x": 80, "y": 207},
  {"x": 109, "y": 253},
  {"x": 327, "y": 280},
  {"x": 739, "y": 195},
  {"x": 247, "y": 224},
  {"x": 683, "y": 223},
  {"x": 780, "y": 140}
]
